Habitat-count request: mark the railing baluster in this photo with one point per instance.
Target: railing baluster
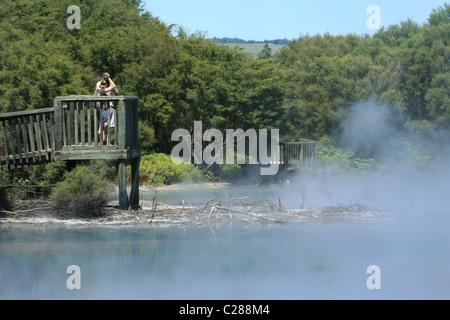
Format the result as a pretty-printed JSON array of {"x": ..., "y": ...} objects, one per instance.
[
  {"x": 96, "y": 125},
  {"x": 64, "y": 125},
  {"x": 116, "y": 131},
  {"x": 38, "y": 137},
  {"x": 70, "y": 127},
  {"x": 59, "y": 135},
  {"x": 301, "y": 153},
  {"x": 12, "y": 142},
  {"x": 75, "y": 123},
  {"x": 24, "y": 139},
  {"x": 108, "y": 128},
  {"x": 100, "y": 122},
  {"x": 82, "y": 124},
  {"x": 67, "y": 128},
  {"x": 5, "y": 137},
  {"x": 19, "y": 144},
  {"x": 52, "y": 136},
  {"x": 89, "y": 126},
  {"x": 31, "y": 135},
  {"x": 45, "y": 137}
]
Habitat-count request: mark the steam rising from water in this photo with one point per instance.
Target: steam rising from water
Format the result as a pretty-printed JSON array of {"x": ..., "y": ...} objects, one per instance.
[
  {"x": 406, "y": 186},
  {"x": 303, "y": 261}
]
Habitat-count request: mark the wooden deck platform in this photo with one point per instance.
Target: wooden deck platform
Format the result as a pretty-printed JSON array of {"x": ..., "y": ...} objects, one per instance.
[{"x": 71, "y": 131}]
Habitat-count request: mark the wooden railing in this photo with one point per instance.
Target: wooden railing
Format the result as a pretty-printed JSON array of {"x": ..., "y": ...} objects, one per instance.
[
  {"x": 79, "y": 133},
  {"x": 27, "y": 137},
  {"x": 71, "y": 130},
  {"x": 303, "y": 152}
]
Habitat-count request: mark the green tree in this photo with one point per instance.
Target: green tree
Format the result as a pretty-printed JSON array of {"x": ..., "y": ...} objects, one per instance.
[
  {"x": 440, "y": 15},
  {"x": 266, "y": 52}
]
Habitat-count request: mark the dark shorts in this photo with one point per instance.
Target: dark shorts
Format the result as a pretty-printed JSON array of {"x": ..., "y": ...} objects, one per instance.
[{"x": 104, "y": 116}]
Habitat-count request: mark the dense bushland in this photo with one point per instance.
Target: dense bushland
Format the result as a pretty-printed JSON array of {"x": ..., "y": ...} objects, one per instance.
[{"x": 180, "y": 78}]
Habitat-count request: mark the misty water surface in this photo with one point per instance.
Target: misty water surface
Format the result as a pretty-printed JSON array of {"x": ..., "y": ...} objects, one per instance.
[{"x": 319, "y": 260}]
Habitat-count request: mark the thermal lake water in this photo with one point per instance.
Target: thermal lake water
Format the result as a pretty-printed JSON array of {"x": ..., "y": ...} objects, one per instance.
[{"x": 316, "y": 260}]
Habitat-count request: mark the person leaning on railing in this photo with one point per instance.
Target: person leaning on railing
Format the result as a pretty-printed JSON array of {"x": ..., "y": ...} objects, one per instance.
[{"x": 106, "y": 87}]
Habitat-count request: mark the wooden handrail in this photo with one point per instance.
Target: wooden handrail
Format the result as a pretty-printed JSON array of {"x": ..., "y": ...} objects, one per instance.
[
  {"x": 86, "y": 98},
  {"x": 21, "y": 114}
]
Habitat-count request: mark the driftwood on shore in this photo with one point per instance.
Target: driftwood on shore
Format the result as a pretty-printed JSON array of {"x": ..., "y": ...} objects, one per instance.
[{"x": 214, "y": 213}]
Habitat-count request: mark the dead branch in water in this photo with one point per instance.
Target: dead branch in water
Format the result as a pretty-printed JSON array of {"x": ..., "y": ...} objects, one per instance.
[
  {"x": 19, "y": 212},
  {"x": 250, "y": 214},
  {"x": 212, "y": 213},
  {"x": 27, "y": 186}
]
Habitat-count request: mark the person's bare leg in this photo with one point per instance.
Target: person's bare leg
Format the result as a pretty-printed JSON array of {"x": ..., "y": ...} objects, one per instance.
[
  {"x": 105, "y": 133},
  {"x": 100, "y": 133}
]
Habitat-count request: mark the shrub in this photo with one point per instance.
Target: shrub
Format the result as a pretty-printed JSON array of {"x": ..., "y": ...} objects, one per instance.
[
  {"x": 334, "y": 156},
  {"x": 159, "y": 169},
  {"x": 47, "y": 175},
  {"x": 35, "y": 181},
  {"x": 53, "y": 173},
  {"x": 84, "y": 191},
  {"x": 225, "y": 172}
]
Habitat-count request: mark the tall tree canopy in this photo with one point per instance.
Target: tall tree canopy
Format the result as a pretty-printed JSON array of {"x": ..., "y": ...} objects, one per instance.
[
  {"x": 404, "y": 65},
  {"x": 178, "y": 79},
  {"x": 182, "y": 78}
]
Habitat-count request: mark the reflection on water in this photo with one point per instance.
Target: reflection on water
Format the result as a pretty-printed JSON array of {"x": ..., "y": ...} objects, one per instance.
[{"x": 318, "y": 260}]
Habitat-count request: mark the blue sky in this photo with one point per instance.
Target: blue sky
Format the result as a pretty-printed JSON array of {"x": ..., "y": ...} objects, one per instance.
[{"x": 274, "y": 19}]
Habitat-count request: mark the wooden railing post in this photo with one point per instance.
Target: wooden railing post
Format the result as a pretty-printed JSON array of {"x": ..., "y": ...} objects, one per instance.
[
  {"x": 59, "y": 125},
  {"x": 121, "y": 112}
]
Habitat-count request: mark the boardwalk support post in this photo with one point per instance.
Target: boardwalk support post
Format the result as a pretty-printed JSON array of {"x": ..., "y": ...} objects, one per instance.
[{"x": 123, "y": 197}]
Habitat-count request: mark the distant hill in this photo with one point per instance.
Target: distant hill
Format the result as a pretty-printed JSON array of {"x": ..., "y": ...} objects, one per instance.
[
  {"x": 252, "y": 46},
  {"x": 284, "y": 41}
]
